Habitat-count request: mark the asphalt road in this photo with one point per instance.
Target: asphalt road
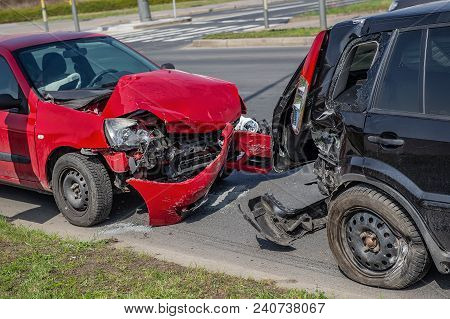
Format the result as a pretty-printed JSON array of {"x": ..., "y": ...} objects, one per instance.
[
  {"x": 216, "y": 236},
  {"x": 217, "y": 22}
]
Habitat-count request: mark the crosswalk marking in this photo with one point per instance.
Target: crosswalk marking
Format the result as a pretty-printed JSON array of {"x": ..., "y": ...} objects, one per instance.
[
  {"x": 180, "y": 33},
  {"x": 255, "y": 20},
  {"x": 199, "y": 31},
  {"x": 149, "y": 33},
  {"x": 215, "y": 30}
]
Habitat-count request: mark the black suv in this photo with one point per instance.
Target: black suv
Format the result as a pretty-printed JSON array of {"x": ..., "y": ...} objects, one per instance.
[{"x": 370, "y": 106}]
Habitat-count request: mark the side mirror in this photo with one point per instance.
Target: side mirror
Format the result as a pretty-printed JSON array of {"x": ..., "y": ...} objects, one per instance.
[
  {"x": 7, "y": 102},
  {"x": 168, "y": 66}
]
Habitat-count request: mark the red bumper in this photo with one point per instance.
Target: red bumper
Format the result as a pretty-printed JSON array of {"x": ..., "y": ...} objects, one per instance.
[
  {"x": 168, "y": 203},
  {"x": 253, "y": 153}
]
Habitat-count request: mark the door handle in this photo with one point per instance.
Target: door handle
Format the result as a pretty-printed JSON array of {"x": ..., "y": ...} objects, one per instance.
[{"x": 391, "y": 142}]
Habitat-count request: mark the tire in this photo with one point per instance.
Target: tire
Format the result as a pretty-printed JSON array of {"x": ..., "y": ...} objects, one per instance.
[
  {"x": 374, "y": 241},
  {"x": 82, "y": 189}
]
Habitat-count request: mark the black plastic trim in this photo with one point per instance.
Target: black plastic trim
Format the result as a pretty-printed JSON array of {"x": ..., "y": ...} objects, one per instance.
[{"x": 6, "y": 157}]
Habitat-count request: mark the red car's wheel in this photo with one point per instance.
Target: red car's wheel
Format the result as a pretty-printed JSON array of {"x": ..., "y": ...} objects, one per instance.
[{"x": 82, "y": 189}]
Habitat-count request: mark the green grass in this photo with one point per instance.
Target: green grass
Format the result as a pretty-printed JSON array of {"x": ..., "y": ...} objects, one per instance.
[
  {"x": 298, "y": 32},
  {"x": 36, "y": 265},
  {"x": 92, "y": 9}
]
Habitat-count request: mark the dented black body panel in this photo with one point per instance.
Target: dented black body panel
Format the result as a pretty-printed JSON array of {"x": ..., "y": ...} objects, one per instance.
[{"x": 352, "y": 139}]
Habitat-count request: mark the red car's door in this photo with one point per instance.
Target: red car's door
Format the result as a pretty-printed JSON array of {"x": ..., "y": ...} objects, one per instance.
[{"x": 15, "y": 148}]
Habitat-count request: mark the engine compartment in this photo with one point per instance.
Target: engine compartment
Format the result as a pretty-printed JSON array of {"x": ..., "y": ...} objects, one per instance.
[{"x": 155, "y": 154}]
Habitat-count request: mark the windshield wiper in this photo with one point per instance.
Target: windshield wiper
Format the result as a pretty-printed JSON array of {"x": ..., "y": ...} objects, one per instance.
[{"x": 109, "y": 85}]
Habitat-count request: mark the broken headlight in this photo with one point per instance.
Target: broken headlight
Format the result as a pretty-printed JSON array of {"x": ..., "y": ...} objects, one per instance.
[
  {"x": 124, "y": 134},
  {"x": 247, "y": 124}
]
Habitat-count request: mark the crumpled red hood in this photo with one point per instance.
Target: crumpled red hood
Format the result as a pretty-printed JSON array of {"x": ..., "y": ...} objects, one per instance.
[{"x": 176, "y": 97}]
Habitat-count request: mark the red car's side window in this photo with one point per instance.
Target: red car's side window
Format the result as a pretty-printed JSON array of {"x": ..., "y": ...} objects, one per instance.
[{"x": 11, "y": 97}]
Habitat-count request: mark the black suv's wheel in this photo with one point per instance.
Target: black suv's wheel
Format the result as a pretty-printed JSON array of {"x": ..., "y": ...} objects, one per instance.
[
  {"x": 82, "y": 189},
  {"x": 373, "y": 240}
]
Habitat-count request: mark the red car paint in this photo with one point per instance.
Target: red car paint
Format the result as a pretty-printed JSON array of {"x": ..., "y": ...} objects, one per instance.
[
  {"x": 251, "y": 145},
  {"x": 201, "y": 103},
  {"x": 186, "y": 103}
]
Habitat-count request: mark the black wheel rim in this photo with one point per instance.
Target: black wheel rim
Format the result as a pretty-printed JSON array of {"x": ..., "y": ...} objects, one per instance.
[
  {"x": 370, "y": 241},
  {"x": 74, "y": 190}
]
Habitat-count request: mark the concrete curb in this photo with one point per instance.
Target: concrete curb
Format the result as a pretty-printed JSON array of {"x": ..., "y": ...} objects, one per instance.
[{"x": 258, "y": 42}]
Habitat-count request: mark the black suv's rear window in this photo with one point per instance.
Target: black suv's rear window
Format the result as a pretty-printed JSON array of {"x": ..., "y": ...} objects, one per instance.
[
  {"x": 355, "y": 71},
  {"x": 401, "y": 87}
]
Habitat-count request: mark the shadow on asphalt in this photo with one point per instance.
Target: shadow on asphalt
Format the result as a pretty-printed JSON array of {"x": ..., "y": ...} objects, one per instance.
[
  {"x": 229, "y": 190},
  {"x": 45, "y": 209},
  {"x": 267, "y": 87},
  {"x": 129, "y": 204},
  {"x": 264, "y": 244},
  {"x": 433, "y": 276}
]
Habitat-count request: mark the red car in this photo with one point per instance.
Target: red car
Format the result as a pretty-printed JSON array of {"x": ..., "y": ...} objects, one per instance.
[{"x": 84, "y": 116}]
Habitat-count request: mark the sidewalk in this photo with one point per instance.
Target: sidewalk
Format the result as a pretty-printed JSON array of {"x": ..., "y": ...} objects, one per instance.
[{"x": 105, "y": 23}]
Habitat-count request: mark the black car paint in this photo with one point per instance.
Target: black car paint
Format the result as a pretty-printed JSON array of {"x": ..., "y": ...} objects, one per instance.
[{"x": 417, "y": 173}]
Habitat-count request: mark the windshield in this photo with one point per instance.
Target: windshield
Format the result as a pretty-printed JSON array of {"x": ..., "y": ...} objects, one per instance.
[{"x": 82, "y": 64}]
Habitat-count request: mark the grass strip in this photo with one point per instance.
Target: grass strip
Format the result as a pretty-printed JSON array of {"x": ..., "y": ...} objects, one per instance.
[
  {"x": 298, "y": 32},
  {"x": 360, "y": 8},
  {"x": 34, "y": 264}
]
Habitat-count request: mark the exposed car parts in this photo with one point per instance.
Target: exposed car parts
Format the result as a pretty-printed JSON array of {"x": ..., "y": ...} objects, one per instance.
[{"x": 282, "y": 225}]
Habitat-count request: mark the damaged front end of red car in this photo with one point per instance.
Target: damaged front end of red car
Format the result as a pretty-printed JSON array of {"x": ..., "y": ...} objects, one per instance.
[{"x": 172, "y": 134}]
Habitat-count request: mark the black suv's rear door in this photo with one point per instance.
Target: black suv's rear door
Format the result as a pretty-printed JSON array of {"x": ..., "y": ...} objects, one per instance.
[
  {"x": 292, "y": 142},
  {"x": 407, "y": 133}
]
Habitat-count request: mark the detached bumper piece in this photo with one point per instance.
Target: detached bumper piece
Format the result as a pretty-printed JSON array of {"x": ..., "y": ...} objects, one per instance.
[
  {"x": 281, "y": 225},
  {"x": 251, "y": 152}
]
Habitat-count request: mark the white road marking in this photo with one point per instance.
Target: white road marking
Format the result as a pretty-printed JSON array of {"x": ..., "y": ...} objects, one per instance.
[
  {"x": 199, "y": 31},
  {"x": 216, "y": 30},
  {"x": 175, "y": 34},
  {"x": 222, "y": 197},
  {"x": 253, "y": 20},
  {"x": 274, "y": 19},
  {"x": 257, "y": 11},
  {"x": 150, "y": 35}
]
